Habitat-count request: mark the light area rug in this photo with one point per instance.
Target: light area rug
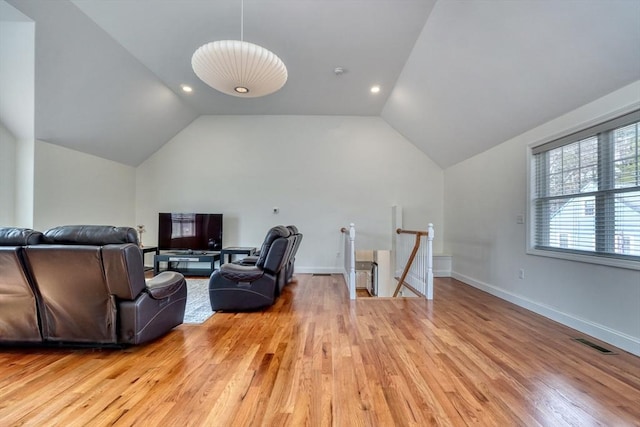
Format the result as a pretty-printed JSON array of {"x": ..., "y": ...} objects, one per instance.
[{"x": 198, "y": 307}]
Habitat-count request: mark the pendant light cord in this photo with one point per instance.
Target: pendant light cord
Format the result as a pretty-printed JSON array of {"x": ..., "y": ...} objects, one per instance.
[{"x": 241, "y": 20}]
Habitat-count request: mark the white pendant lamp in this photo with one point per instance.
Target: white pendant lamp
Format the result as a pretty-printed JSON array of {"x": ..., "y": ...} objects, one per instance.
[{"x": 239, "y": 68}]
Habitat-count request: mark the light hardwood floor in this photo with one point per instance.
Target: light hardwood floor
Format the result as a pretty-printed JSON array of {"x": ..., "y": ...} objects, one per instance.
[{"x": 317, "y": 359}]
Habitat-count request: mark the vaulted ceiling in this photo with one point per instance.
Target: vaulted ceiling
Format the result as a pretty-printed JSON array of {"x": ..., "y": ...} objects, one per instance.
[{"x": 457, "y": 77}]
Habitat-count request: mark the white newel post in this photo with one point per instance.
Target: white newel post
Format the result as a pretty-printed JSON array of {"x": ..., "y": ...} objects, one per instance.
[
  {"x": 429, "y": 294},
  {"x": 352, "y": 261},
  {"x": 396, "y": 242}
]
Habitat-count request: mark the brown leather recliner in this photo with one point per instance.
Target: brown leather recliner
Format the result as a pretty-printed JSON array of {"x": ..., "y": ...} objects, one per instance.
[
  {"x": 89, "y": 281},
  {"x": 19, "y": 304}
]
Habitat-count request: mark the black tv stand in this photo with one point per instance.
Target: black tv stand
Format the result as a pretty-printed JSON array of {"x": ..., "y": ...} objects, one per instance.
[
  {"x": 192, "y": 252},
  {"x": 181, "y": 261}
]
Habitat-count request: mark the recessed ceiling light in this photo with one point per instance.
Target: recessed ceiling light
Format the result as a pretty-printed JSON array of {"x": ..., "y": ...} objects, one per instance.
[
  {"x": 186, "y": 88},
  {"x": 375, "y": 89}
]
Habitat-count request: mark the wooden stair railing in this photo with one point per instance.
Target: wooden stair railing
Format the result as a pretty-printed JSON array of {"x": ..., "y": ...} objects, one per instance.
[{"x": 429, "y": 273}]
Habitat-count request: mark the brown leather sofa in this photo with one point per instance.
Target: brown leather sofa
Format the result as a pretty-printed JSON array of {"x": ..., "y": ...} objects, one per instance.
[
  {"x": 83, "y": 285},
  {"x": 19, "y": 307}
]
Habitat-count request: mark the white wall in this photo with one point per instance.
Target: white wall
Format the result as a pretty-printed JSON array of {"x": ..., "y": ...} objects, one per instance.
[
  {"x": 483, "y": 197},
  {"x": 321, "y": 171},
  {"x": 17, "y": 74},
  {"x": 77, "y": 188},
  {"x": 25, "y": 150},
  {"x": 7, "y": 177}
]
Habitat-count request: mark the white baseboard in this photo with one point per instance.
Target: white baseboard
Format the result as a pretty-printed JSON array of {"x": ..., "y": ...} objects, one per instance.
[
  {"x": 601, "y": 332},
  {"x": 441, "y": 265}
]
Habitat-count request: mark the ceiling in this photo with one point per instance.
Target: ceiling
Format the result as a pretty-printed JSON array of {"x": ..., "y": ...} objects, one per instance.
[{"x": 457, "y": 76}]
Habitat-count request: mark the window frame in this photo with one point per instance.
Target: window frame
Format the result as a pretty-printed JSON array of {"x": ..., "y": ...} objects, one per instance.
[{"x": 566, "y": 137}]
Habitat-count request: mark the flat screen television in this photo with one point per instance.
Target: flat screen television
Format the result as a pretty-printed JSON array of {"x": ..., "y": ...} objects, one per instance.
[{"x": 190, "y": 231}]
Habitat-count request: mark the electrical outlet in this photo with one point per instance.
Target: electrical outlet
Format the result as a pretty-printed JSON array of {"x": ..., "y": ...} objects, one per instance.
[
  {"x": 521, "y": 273},
  {"x": 520, "y": 219}
]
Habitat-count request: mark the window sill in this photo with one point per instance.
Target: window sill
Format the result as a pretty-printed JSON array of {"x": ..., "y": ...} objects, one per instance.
[{"x": 589, "y": 259}]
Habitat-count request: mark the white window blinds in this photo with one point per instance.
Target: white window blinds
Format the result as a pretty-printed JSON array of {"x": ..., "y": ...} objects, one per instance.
[{"x": 586, "y": 194}]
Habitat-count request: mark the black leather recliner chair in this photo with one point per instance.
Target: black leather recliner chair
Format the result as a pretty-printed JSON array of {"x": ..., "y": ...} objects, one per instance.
[
  {"x": 286, "y": 274},
  {"x": 297, "y": 236},
  {"x": 237, "y": 287}
]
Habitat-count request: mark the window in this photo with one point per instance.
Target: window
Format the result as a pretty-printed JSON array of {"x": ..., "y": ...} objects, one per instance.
[
  {"x": 589, "y": 207},
  {"x": 183, "y": 225},
  {"x": 564, "y": 240},
  {"x": 585, "y": 192}
]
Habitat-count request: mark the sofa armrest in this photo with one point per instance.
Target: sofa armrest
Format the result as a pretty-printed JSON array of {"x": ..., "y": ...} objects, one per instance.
[{"x": 165, "y": 284}]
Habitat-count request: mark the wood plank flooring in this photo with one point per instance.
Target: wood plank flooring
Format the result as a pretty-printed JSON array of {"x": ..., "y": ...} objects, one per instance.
[{"x": 317, "y": 359}]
